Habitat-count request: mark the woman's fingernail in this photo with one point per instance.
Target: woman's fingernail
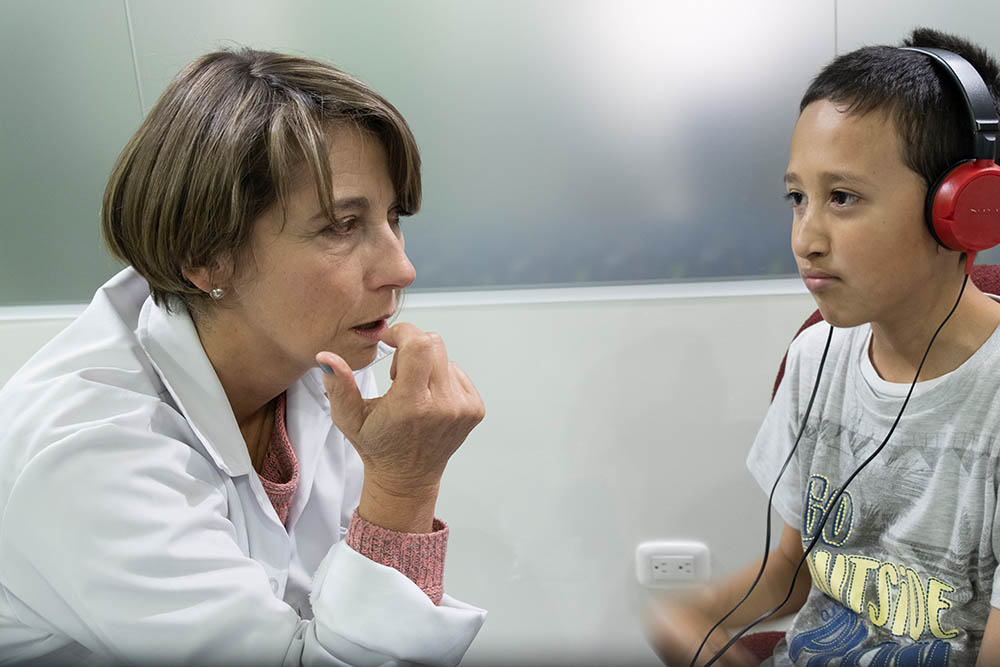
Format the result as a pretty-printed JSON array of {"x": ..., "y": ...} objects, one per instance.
[{"x": 326, "y": 369}]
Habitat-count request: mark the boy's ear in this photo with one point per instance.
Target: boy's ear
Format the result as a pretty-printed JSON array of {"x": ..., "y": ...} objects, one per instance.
[{"x": 962, "y": 258}]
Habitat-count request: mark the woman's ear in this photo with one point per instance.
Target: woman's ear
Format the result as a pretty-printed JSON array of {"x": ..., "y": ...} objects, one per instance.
[
  {"x": 206, "y": 278},
  {"x": 200, "y": 277}
]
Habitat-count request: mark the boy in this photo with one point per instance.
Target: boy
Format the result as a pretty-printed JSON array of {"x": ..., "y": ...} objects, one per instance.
[{"x": 903, "y": 570}]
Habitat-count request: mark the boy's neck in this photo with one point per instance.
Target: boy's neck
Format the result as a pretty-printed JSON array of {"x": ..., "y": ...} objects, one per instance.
[{"x": 898, "y": 346}]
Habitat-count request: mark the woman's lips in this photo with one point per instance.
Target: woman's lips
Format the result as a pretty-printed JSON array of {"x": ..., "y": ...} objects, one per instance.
[{"x": 371, "y": 330}]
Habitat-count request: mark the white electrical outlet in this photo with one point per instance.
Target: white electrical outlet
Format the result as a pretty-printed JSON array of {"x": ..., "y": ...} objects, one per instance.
[
  {"x": 671, "y": 562},
  {"x": 672, "y": 568}
]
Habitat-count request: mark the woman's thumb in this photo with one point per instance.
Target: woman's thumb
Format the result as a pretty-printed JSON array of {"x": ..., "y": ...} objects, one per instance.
[{"x": 347, "y": 407}]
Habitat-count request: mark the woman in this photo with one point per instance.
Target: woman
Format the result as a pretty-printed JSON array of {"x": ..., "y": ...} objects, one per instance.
[{"x": 178, "y": 487}]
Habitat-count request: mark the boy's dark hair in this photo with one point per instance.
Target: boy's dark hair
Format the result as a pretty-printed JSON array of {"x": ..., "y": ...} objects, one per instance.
[{"x": 925, "y": 103}]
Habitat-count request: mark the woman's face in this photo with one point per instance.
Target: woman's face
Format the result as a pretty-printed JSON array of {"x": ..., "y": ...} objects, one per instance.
[{"x": 322, "y": 284}]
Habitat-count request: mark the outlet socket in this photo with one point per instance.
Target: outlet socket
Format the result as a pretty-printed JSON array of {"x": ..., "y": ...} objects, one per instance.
[
  {"x": 666, "y": 563},
  {"x": 672, "y": 568}
]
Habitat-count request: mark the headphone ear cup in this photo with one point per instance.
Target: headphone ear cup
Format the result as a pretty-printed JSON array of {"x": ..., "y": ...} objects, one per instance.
[
  {"x": 963, "y": 208},
  {"x": 929, "y": 205}
]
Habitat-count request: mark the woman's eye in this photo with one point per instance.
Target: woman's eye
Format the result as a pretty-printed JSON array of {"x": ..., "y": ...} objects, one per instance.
[
  {"x": 395, "y": 217},
  {"x": 794, "y": 198},
  {"x": 841, "y": 198},
  {"x": 341, "y": 226}
]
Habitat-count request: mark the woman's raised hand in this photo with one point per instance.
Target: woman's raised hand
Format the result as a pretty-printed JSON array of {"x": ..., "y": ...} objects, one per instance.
[{"x": 406, "y": 436}]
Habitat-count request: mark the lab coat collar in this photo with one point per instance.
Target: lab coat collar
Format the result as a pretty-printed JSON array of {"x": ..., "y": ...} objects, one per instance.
[
  {"x": 312, "y": 381},
  {"x": 381, "y": 353},
  {"x": 308, "y": 413},
  {"x": 173, "y": 345}
]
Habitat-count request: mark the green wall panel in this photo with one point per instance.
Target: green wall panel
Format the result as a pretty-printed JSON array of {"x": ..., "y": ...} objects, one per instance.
[{"x": 68, "y": 103}]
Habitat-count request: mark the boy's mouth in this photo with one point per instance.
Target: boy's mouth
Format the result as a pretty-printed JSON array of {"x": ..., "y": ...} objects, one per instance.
[{"x": 816, "y": 280}]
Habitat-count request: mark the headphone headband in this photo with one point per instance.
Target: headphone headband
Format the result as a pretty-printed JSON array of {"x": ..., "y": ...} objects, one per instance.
[
  {"x": 963, "y": 208},
  {"x": 978, "y": 100}
]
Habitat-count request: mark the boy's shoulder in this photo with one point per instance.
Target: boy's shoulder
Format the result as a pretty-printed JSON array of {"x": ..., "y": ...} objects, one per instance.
[{"x": 984, "y": 363}]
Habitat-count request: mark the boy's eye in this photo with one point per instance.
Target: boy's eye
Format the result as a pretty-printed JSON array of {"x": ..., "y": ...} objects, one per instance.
[
  {"x": 794, "y": 198},
  {"x": 841, "y": 198}
]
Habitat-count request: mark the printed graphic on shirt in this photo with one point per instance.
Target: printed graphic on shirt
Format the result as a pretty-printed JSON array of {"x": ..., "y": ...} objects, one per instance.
[
  {"x": 845, "y": 631},
  {"x": 891, "y": 596}
]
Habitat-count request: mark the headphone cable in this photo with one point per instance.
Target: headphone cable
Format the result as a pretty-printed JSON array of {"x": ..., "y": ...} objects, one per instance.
[
  {"x": 833, "y": 501},
  {"x": 770, "y": 499}
]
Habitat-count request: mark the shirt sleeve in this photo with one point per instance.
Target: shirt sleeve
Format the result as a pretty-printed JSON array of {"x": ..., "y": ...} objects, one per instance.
[
  {"x": 994, "y": 486},
  {"x": 774, "y": 442},
  {"x": 419, "y": 556},
  {"x": 119, "y": 539}
]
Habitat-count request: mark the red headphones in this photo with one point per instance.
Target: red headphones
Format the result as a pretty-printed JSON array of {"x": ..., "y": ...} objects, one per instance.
[{"x": 963, "y": 207}]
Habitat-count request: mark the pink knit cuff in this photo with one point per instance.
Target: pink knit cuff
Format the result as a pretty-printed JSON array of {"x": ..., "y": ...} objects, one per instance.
[{"x": 420, "y": 556}]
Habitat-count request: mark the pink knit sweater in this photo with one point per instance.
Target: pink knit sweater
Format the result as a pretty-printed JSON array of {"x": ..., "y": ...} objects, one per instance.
[{"x": 420, "y": 556}]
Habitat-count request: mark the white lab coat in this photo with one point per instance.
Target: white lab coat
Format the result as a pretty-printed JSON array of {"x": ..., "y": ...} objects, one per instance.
[{"x": 135, "y": 529}]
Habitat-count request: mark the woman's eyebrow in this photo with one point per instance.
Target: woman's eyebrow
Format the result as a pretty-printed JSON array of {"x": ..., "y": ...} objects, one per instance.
[
  {"x": 346, "y": 204},
  {"x": 351, "y": 202}
]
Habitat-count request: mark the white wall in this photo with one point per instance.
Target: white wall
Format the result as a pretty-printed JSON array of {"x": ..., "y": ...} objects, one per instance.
[{"x": 619, "y": 417}]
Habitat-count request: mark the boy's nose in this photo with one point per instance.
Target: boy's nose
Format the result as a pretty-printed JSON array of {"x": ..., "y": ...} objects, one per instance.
[{"x": 809, "y": 237}]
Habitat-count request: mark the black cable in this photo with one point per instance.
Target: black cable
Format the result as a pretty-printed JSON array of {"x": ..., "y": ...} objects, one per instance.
[
  {"x": 833, "y": 502},
  {"x": 770, "y": 499}
]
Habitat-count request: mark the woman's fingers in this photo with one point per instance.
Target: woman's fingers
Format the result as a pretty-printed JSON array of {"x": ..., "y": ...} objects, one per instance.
[
  {"x": 463, "y": 380},
  {"x": 432, "y": 405},
  {"x": 412, "y": 363}
]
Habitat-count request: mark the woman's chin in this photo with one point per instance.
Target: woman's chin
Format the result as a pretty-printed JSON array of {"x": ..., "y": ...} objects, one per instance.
[{"x": 358, "y": 359}]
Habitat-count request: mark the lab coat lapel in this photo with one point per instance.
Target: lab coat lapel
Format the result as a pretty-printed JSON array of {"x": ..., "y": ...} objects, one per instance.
[
  {"x": 308, "y": 414},
  {"x": 172, "y": 343}
]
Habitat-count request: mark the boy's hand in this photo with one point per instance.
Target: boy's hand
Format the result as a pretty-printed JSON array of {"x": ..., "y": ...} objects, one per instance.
[{"x": 676, "y": 630}]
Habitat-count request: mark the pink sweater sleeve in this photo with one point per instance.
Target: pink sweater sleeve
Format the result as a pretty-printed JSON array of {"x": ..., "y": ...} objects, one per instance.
[{"x": 420, "y": 556}]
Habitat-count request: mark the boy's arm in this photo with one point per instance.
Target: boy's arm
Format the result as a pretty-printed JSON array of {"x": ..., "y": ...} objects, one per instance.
[
  {"x": 989, "y": 651},
  {"x": 678, "y": 626}
]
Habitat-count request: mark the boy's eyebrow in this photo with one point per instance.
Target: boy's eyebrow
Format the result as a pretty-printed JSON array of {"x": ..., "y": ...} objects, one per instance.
[{"x": 829, "y": 177}]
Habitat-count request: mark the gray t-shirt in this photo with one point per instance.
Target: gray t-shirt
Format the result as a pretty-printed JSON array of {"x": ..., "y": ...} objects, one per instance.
[{"x": 904, "y": 571}]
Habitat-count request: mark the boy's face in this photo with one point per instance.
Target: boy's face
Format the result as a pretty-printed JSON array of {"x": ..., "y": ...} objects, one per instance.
[{"x": 858, "y": 230}]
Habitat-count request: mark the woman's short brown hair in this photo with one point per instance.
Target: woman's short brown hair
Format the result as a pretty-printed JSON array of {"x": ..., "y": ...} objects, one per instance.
[{"x": 223, "y": 144}]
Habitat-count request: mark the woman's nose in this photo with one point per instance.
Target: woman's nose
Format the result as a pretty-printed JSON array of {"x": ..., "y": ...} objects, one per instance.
[{"x": 391, "y": 267}]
